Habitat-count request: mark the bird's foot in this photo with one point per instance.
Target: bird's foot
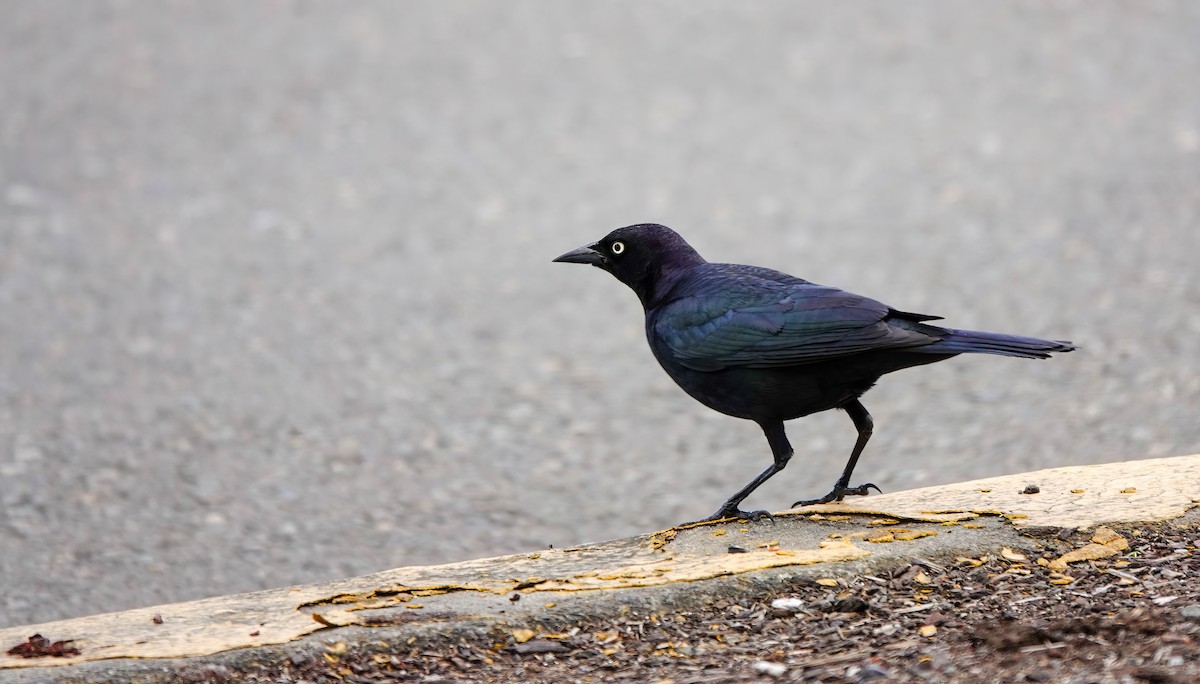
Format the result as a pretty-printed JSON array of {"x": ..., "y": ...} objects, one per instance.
[
  {"x": 732, "y": 513},
  {"x": 861, "y": 490},
  {"x": 840, "y": 493}
]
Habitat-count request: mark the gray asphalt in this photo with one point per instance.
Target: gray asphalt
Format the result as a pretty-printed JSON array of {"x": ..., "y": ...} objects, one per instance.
[{"x": 277, "y": 306}]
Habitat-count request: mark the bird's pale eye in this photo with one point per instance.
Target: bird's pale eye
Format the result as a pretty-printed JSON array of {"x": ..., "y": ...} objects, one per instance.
[{"x": 617, "y": 247}]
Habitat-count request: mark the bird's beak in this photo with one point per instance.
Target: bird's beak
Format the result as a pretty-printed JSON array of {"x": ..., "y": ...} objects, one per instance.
[{"x": 583, "y": 255}]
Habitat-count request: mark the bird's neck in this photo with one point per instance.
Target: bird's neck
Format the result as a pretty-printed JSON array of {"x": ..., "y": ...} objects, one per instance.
[{"x": 655, "y": 287}]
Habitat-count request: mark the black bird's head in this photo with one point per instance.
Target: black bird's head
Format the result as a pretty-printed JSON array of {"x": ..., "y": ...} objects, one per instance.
[{"x": 641, "y": 256}]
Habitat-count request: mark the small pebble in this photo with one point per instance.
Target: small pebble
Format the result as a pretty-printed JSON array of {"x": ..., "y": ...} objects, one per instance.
[
  {"x": 873, "y": 671},
  {"x": 765, "y": 667},
  {"x": 1190, "y": 612},
  {"x": 790, "y": 604},
  {"x": 1031, "y": 489}
]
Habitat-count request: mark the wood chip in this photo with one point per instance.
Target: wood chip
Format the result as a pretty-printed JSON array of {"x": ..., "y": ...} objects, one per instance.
[{"x": 522, "y": 635}]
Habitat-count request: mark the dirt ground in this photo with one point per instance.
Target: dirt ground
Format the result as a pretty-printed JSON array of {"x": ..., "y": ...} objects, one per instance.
[{"x": 1127, "y": 611}]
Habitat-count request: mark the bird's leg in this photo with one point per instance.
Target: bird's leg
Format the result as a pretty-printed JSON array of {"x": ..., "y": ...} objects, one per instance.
[
  {"x": 864, "y": 425},
  {"x": 781, "y": 451}
]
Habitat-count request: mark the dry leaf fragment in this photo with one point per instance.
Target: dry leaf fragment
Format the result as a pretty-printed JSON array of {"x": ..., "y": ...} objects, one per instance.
[
  {"x": 38, "y": 646},
  {"x": 1060, "y": 579},
  {"x": 921, "y": 578},
  {"x": 522, "y": 635},
  {"x": 827, "y": 582},
  {"x": 927, "y": 630},
  {"x": 1106, "y": 536},
  {"x": 1089, "y": 552},
  {"x": 1010, "y": 555},
  {"x": 1105, "y": 543}
]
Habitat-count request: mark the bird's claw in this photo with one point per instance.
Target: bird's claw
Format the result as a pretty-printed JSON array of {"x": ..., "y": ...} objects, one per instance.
[
  {"x": 861, "y": 490},
  {"x": 752, "y": 516},
  {"x": 733, "y": 514},
  {"x": 840, "y": 493}
]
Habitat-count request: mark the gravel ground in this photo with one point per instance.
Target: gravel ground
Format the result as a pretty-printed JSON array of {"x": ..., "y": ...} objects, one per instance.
[{"x": 276, "y": 303}]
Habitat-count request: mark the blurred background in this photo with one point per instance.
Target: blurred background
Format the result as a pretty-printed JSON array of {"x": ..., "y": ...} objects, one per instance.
[{"x": 277, "y": 306}]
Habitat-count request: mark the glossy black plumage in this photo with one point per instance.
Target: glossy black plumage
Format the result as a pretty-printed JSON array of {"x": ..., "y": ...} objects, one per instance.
[{"x": 758, "y": 344}]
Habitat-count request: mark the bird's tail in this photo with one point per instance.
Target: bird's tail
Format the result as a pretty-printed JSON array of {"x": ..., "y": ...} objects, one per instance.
[{"x": 978, "y": 342}]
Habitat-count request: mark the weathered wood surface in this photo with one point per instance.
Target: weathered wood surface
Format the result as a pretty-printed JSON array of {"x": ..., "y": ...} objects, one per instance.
[{"x": 1079, "y": 497}]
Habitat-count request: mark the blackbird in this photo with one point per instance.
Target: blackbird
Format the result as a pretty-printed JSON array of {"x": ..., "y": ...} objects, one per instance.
[{"x": 766, "y": 346}]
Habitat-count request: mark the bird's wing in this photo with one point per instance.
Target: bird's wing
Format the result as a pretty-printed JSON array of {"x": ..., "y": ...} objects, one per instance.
[{"x": 778, "y": 325}]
